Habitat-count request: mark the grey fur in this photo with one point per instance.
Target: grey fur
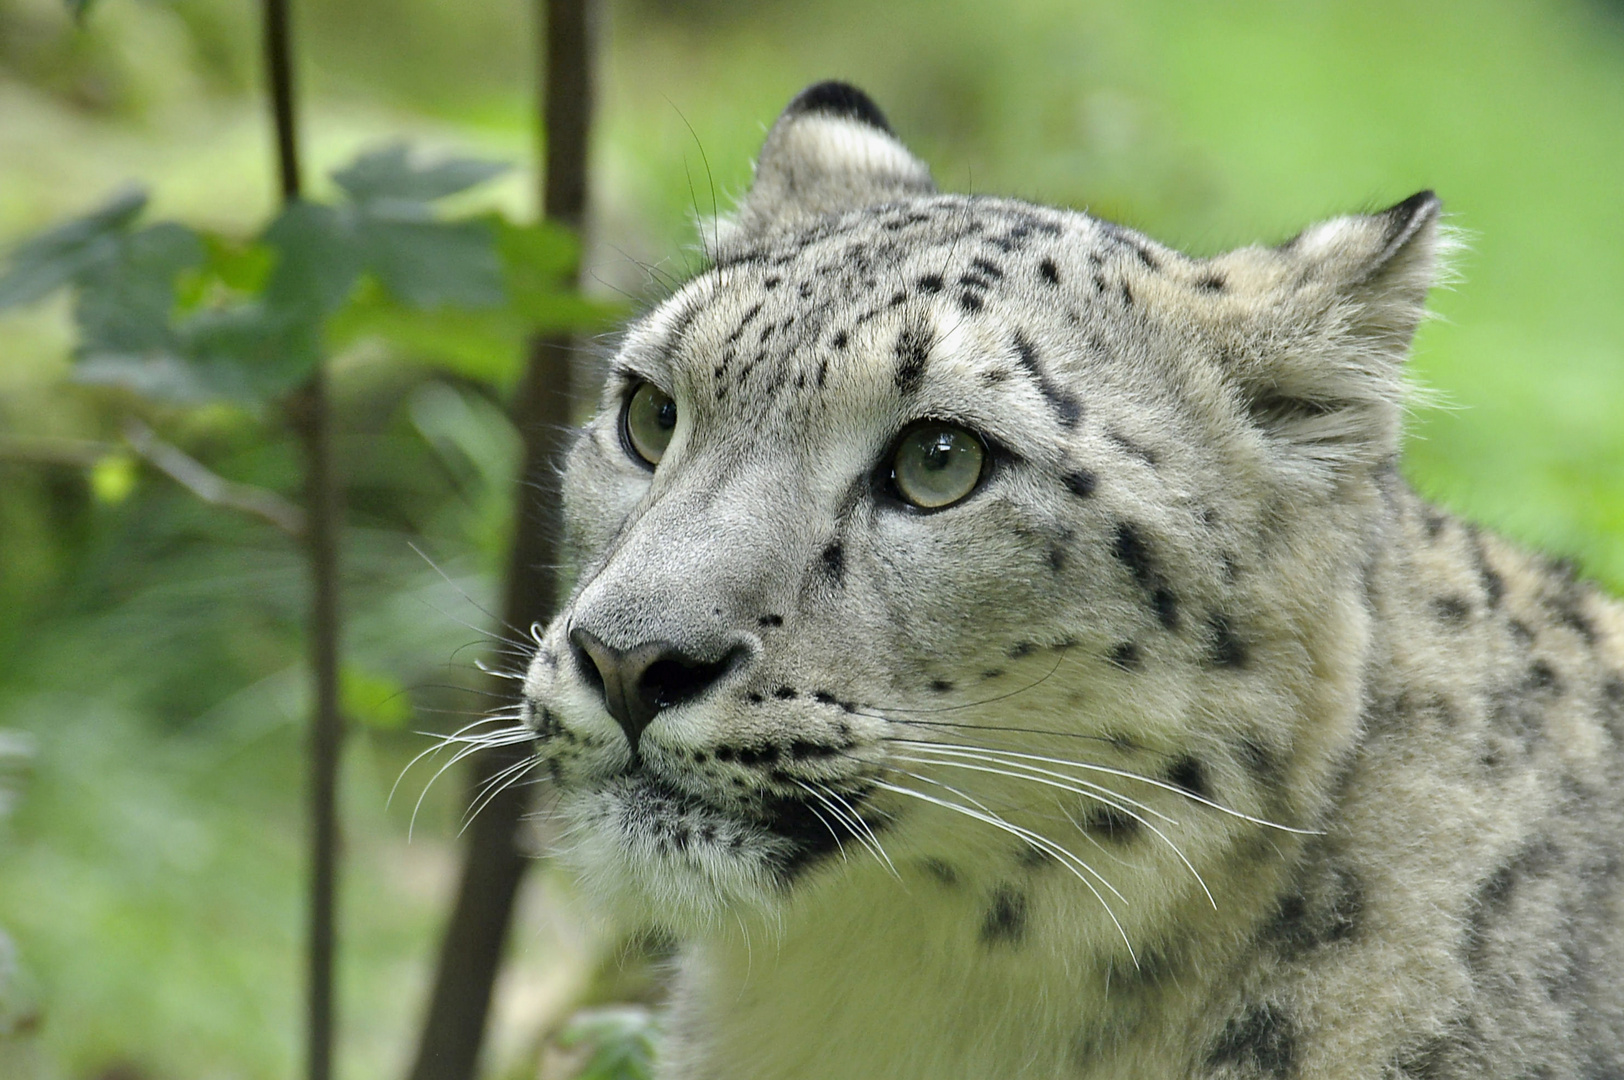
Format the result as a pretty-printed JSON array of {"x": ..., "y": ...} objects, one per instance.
[{"x": 1301, "y": 777}]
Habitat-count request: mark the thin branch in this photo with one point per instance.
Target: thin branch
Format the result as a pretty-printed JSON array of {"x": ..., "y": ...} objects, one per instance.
[
  {"x": 47, "y": 450},
  {"x": 211, "y": 487}
]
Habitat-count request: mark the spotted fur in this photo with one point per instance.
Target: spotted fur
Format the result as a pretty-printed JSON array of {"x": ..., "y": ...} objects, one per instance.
[{"x": 1190, "y": 744}]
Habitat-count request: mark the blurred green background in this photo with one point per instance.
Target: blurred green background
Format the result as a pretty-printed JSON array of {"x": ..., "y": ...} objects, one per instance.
[{"x": 151, "y": 682}]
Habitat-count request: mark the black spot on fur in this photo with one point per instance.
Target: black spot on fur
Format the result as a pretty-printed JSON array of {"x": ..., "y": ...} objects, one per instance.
[
  {"x": 990, "y": 269},
  {"x": 943, "y": 873},
  {"x": 1050, "y": 272},
  {"x": 772, "y": 282},
  {"x": 1057, "y": 558},
  {"x": 1564, "y": 608},
  {"x": 912, "y": 353},
  {"x": 1132, "y": 552},
  {"x": 993, "y": 673},
  {"x": 785, "y": 693},
  {"x": 823, "y": 697},
  {"x": 1492, "y": 902},
  {"x": 1066, "y": 407},
  {"x": 1111, "y": 823},
  {"x": 1520, "y": 630},
  {"x": 1005, "y": 923},
  {"x": 1435, "y": 523},
  {"x": 1189, "y": 774},
  {"x": 1127, "y": 295},
  {"x": 1541, "y": 676},
  {"x": 805, "y": 750},
  {"x": 833, "y": 562},
  {"x": 941, "y": 686},
  {"x": 841, "y": 339},
  {"x": 1325, "y": 912},
  {"x": 1022, "y": 648},
  {"x": 1263, "y": 1038},
  {"x": 1166, "y": 606},
  {"x": 1259, "y": 759},
  {"x": 1225, "y": 650},
  {"x": 1494, "y": 586},
  {"x": 1131, "y": 447},
  {"x": 757, "y": 755},
  {"x": 932, "y": 283},
  {"x": 974, "y": 281},
  {"x": 969, "y": 301},
  {"x": 1081, "y": 483},
  {"x": 1211, "y": 282},
  {"x": 770, "y": 620},
  {"x": 1451, "y": 609},
  {"x": 1125, "y": 655}
]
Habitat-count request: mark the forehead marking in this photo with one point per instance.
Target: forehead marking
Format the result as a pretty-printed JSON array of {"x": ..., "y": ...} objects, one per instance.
[
  {"x": 913, "y": 353},
  {"x": 1066, "y": 407}
]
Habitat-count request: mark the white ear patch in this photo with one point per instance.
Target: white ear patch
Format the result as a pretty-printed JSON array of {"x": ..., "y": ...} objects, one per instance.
[{"x": 829, "y": 153}]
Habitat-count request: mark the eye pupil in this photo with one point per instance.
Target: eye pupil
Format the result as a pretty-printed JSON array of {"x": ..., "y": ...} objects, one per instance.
[
  {"x": 939, "y": 455},
  {"x": 647, "y": 421},
  {"x": 936, "y": 465}
]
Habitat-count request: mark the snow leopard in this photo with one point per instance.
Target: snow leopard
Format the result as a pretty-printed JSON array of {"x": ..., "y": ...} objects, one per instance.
[{"x": 1000, "y": 645}]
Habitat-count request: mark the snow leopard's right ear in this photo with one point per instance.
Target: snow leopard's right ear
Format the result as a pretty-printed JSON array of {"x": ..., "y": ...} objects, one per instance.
[{"x": 831, "y": 151}]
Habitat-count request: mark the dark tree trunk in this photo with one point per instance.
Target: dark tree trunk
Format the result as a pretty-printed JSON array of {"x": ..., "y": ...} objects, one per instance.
[
  {"x": 309, "y": 413},
  {"x": 471, "y": 951}
]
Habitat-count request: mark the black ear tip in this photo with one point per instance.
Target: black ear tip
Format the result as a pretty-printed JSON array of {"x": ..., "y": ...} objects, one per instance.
[
  {"x": 834, "y": 98},
  {"x": 1418, "y": 207},
  {"x": 1405, "y": 219}
]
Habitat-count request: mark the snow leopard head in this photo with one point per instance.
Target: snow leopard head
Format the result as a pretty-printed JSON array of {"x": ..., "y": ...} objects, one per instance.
[{"x": 925, "y": 527}]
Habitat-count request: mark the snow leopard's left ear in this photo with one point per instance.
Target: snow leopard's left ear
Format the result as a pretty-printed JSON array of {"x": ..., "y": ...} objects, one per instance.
[
  {"x": 830, "y": 151},
  {"x": 1314, "y": 333}
]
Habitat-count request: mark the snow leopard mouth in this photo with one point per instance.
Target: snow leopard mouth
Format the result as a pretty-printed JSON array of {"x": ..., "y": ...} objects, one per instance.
[{"x": 789, "y": 835}]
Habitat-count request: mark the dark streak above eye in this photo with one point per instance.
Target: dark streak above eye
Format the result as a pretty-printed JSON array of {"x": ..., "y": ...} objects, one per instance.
[{"x": 1066, "y": 407}]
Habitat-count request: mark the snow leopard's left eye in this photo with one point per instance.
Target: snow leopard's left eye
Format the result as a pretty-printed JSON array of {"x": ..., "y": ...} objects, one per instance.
[
  {"x": 935, "y": 464},
  {"x": 646, "y": 422}
]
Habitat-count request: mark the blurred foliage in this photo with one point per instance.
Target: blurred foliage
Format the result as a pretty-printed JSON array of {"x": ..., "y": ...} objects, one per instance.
[{"x": 149, "y": 645}]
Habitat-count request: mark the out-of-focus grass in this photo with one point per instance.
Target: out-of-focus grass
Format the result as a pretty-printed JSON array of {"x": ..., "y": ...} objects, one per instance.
[{"x": 151, "y": 877}]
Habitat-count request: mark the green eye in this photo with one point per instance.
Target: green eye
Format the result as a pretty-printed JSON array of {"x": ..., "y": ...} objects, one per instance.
[
  {"x": 647, "y": 422},
  {"x": 936, "y": 465}
]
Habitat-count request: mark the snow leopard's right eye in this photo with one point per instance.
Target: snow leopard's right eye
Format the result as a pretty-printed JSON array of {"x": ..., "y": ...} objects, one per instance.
[
  {"x": 646, "y": 423},
  {"x": 935, "y": 465}
]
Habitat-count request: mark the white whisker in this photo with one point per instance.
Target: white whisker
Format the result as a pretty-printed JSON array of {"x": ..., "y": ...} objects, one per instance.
[
  {"x": 1067, "y": 858},
  {"x": 1128, "y": 775}
]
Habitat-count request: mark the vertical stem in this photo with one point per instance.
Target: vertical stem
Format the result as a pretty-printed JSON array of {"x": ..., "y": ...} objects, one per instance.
[
  {"x": 279, "y": 81},
  {"x": 471, "y": 951},
  {"x": 326, "y": 735},
  {"x": 308, "y": 409}
]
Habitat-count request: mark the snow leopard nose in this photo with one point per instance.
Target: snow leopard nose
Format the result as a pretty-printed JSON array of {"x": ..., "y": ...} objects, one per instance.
[{"x": 637, "y": 683}]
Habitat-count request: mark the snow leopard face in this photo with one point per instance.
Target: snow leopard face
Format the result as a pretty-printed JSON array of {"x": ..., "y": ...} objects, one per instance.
[{"x": 912, "y": 493}]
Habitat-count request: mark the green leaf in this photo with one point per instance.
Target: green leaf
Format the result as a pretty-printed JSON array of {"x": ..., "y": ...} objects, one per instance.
[
  {"x": 486, "y": 345},
  {"x": 318, "y": 259},
  {"x": 126, "y": 300},
  {"x": 166, "y": 377},
  {"x": 390, "y": 174},
  {"x": 430, "y": 264},
  {"x": 271, "y": 350},
  {"x": 58, "y": 256},
  {"x": 624, "y": 1041}
]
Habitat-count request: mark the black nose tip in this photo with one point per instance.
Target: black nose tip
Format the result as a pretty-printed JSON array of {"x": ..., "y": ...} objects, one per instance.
[{"x": 637, "y": 683}]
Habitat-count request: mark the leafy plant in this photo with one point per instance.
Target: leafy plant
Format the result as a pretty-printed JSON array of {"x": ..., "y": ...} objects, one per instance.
[
  {"x": 182, "y": 316},
  {"x": 623, "y": 1042}
]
